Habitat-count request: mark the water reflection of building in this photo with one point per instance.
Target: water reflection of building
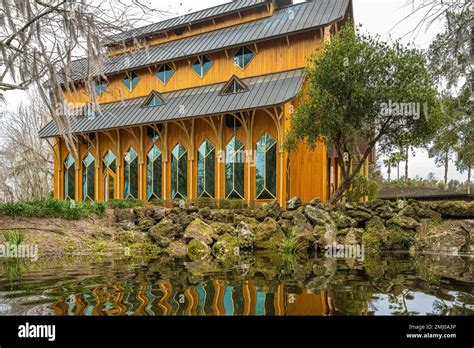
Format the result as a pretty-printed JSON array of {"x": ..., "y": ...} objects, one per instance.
[{"x": 218, "y": 297}]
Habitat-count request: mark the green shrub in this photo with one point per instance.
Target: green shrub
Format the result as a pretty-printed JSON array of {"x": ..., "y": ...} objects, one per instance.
[
  {"x": 124, "y": 203},
  {"x": 362, "y": 186}
]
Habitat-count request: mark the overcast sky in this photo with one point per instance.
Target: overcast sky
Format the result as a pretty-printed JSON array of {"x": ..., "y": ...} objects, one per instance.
[{"x": 380, "y": 17}]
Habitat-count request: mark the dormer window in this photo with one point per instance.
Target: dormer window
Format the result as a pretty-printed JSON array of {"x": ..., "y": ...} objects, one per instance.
[
  {"x": 89, "y": 111},
  {"x": 202, "y": 65},
  {"x": 154, "y": 99},
  {"x": 164, "y": 73},
  {"x": 235, "y": 85},
  {"x": 131, "y": 80},
  {"x": 243, "y": 57},
  {"x": 100, "y": 88}
]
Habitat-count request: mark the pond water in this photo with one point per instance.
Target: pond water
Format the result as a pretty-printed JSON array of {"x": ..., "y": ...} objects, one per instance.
[{"x": 251, "y": 285}]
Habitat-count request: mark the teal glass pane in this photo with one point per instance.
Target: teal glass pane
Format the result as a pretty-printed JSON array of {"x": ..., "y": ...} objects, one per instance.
[
  {"x": 235, "y": 159},
  {"x": 165, "y": 73},
  {"x": 205, "y": 168},
  {"x": 202, "y": 68},
  {"x": 247, "y": 56},
  {"x": 100, "y": 89},
  {"x": 109, "y": 158},
  {"x": 154, "y": 175},
  {"x": 131, "y": 174},
  {"x": 179, "y": 173},
  {"x": 69, "y": 161},
  {"x": 131, "y": 81},
  {"x": 88, "y": 177},
  {"x": 69, "y": 178},
  {"x": 265, "y": 169},
  {"x": 155, "y": 101}
]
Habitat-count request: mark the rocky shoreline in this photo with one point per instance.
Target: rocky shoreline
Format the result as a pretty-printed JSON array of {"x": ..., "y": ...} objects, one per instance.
[{"x": 378, "y": 225}]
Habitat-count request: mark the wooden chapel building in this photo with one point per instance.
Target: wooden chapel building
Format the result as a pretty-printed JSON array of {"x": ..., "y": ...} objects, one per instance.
[{"x": 201, "y": 110}]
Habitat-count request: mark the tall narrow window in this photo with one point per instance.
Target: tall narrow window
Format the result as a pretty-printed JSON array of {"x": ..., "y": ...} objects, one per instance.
[
  {"x": 164, "y": 73},
  {"x": 234, "y": 169},
  {"x": 131, "y": 80},
  {"x": 179, "y": 172},
  {"x": 205, "y": 170},
  {"x": 266, "y": 168},
  {"x": 243, "y": 57},
  {"x": 69, "y": 178},
  {"x": 202, "y": 65},
  {"x": 130, "y": 189},
  {"x": 153, "y": 174},
  {"x": 88, "y": 177},
  {"x": 109, "y": 175}
]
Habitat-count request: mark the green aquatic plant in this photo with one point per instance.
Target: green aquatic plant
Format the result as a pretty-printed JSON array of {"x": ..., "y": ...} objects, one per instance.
[{"x": 15, "y": 237}]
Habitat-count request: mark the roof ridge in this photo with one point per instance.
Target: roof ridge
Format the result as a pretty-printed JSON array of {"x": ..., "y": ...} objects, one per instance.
[{"x": 189, "y": 14}]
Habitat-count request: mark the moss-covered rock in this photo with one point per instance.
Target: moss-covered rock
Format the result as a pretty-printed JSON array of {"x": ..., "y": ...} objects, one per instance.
[
  {"x": 342, "y": 220},
  {"x": 454, "y": 209},
  {"x": 404, "y": 222},
  {"x": 268, "y": 234},
  {"x": 271, "y": 210},
  {"x": 124, "y": 215},
  {"x": 164, "y": 232},
  {"x": 245, "y": 235},
  {"x": 198, "y": 249},
  {"x": 226, "y": 246},
  {"x": 359, "y": 215},
  {"x": 350, "y": 236},
  {"x": 177, "y": 249},
  {"x": 146, "y": 223},
  {"x": 448, "y": 236},
  {"x": 318, "y": 217},
  {"x": 201, "y": 231},
  {"x": 222, "y": 228}
]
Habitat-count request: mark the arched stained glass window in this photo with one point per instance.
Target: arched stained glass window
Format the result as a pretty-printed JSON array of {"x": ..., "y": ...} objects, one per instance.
[
  {"x": 69, "y": 178},
  {"x": 202, "y": 65},
  {"x": 130, "y": 168},
  {"x": 179, "y": 172},
  {"x": 88, "y": 177},
  {"x": 266, "y": 168},
  {"x": 205, "y": 170},
  {"x": 108, "y": 172},
  {"x": 153, "y": 174},
  {"x": 234, "y": 169}
]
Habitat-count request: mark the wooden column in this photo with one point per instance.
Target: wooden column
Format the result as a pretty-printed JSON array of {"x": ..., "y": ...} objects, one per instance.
[
  {"x": 60, "y": 171},
  {"x": 118, "y": 182},
  {"x": 77, "y": 173},
  {"x": 97, "y": 169}
]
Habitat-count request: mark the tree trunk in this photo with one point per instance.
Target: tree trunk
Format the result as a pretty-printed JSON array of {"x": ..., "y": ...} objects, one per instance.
[
  {"x": 446, "y": 165},
  {"x": 389, "y": 170},
  {"x": 406, "y": 162},
  {"x": 398, "y": 171},
  {"x": 469, "y": 180}
]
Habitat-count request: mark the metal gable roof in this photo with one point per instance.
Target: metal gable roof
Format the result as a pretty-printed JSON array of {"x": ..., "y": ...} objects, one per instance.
[
  {"x": 190, "y": 18},
  {"x": 264, "y": 91},
  {"x": 291, "y": 19}
]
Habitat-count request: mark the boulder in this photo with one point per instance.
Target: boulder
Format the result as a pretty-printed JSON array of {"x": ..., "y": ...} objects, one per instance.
[
  {"x": 317, "y": 217},
  {"x": 448, "y": 236},
  {"x": 127, "y": 225},
  {"x": 145, "y": 223},
  {"x": 271, "y": 210},
  {"x": 164, "y": 232},
  {"x": 177, "y": 249},
  {"x": 222, "y": 228},
  {"x": 342, "y": 220},
  {"x": 222, "y": 215},
  {"x": 325, "y": 235},
  {"x": 124, "y": 215},
  {"x": 205, "y": 212},
  {"x": 246, "y": 236},
  {"x": 350, "y": 236},
  {"x": 201, "y": 231},
  {"x": 198, "y": 249},
  {"x": 360, "y": 215},
  {"x": 182, "y": 219},
  {"x": 143, "y": 212},
  {"x": 226, "y": 245},
  {"x": 160, "y": 213},
  {"x": 454, "y": 209},
  {"x": 378, "y": 237},
  {"x": 403, "y": 222},
  {"x": 268, "y": 234},
  {"x": 294, "y": 203},
  {"x": 315, "y": 201}
]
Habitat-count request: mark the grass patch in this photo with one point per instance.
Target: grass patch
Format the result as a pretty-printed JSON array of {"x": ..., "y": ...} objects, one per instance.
[
  {"x": 291, "y": 246},
  {"x": 15, "y": 237},
  {"x": 124, "y": 203},
  {"x": 52, "y": 208}
]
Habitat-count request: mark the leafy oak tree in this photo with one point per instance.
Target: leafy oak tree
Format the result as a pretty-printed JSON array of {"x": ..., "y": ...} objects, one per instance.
[{"x": 361, "y": 87}]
